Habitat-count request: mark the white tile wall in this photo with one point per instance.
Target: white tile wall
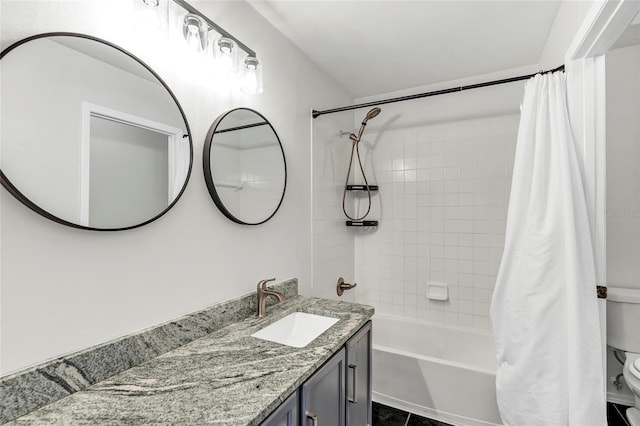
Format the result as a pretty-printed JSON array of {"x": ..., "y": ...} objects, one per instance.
[{"x": 442, "y": 207}]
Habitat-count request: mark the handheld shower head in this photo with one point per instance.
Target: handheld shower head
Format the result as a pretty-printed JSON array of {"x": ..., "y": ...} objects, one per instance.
[
  {"x": 373, "y": 112},
  {"x": 355, "y": 149}
]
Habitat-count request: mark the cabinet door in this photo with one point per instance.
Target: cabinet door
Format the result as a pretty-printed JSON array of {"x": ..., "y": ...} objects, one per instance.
[
  {"x": 358, "y": 387},
  {"x": 286, "y": 414},
  {"x": 323, "y": 398}
]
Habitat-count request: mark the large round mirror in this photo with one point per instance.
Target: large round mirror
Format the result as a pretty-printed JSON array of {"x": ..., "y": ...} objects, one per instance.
[
  {"x": 244, "y": 166},
  {"x": 91, "y": 137}
]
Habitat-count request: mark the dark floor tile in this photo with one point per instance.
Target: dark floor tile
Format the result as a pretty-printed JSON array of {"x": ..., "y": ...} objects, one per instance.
[
  {"x": 415, "y": 420},
  {"x": 388, "y": 416},
  {"x": 616, "y": 415}
]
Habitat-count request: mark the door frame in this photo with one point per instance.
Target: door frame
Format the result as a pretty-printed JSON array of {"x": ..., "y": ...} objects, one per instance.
[
  {"x": 173, "y": 134},
  {"x": 585, "y": 68}
]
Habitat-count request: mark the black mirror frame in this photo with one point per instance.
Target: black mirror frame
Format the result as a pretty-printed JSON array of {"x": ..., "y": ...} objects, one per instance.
[
  {"x": 6, "y": 183},
  {"x": 206, "y": 164}
]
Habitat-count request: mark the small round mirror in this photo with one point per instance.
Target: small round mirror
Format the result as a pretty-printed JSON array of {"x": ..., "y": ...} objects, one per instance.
[
  {"x": 244, "y": 166},
  {"x": 91, "y": 137}
]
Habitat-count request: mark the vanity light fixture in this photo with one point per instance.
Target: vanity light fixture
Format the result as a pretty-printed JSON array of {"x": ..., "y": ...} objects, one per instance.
[
  {"x": 224, "y": 49},
  {"x": 252, "y": 76},
  {"x": 225, "y": 54},
  {"x": 151, "y": 19},
  {"x": 194, "y": 30}
]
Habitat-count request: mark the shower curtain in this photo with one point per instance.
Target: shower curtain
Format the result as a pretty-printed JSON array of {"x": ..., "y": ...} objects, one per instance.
[{"x": 544, "y": 310}]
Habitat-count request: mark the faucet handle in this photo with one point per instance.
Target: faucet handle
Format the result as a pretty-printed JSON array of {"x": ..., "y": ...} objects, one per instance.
[
  {"x": 342, "y": 286},
  {"x": 263, "y": 284}
]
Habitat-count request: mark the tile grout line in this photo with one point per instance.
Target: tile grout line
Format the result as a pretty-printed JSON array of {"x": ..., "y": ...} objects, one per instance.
[
  {"x": 622, "y": 416},
  {"x": 406, "y": 423}
]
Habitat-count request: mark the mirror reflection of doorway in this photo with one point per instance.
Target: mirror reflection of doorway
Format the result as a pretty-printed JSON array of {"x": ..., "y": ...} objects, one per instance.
[
  {"x": 129, "y": 177},
  {"x": 127, "y": 168}
]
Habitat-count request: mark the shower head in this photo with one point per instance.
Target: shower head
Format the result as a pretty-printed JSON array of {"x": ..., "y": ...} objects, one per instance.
[{"x": 373, "y": 112}]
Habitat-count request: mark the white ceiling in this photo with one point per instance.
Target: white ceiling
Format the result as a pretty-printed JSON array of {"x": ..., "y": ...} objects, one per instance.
[
  {"x": 371, "y": 47},
  {"x": 107, "y": 54}
]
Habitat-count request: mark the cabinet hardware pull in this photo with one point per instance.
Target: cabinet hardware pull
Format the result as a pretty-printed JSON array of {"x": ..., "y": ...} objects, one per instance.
[
  {"x": 313, "y": 416},
  {"x": 354, "y": 400}
]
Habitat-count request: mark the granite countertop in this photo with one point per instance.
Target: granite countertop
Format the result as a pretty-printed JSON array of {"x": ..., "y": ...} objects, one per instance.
[{"x": 224, "y": 378}]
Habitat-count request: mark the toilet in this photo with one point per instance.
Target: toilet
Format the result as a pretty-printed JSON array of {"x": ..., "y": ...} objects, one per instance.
[{"x": 623, "y": 332}]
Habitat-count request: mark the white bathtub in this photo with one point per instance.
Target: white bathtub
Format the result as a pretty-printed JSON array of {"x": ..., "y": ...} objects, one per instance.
[{"x": 433, "y": 370}]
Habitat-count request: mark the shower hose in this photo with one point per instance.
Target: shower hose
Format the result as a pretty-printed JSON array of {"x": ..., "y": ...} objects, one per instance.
[{"x": 355, "y": 148}]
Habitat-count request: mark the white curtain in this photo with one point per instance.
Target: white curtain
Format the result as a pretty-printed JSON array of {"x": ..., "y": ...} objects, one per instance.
[{"x": 544, "y": 310}]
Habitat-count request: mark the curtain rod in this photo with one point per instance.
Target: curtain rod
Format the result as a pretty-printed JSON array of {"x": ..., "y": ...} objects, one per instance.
[
  {"x": 246, "y": 126},
  {"x": 316, "y": 113}
]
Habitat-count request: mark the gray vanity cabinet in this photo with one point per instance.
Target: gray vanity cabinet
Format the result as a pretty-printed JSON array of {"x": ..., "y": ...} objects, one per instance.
[
  {"x": 286, "y": 414},
  {"x": 337, "y": 394},
  {"x": 359, "y": 378},
  {"x": 323, "y": 394}
]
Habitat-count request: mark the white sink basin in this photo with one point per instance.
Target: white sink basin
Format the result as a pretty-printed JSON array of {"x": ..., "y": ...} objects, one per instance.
[{"x": 297, "y": 329}]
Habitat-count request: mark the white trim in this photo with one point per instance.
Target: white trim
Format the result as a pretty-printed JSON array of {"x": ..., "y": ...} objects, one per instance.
[
  {"x": 603, "y": 25},
  {"x": 588, "y": 118},
  {"x": 585, "y": 65},
  {"x": 619, "y": 398},
  {"x": 174, "y": 136},
  {"x": 432, "y": 413},
  {"x": 85, "y": 160},
  {"x": 172, "y": 154},
  {"x": 587, "y": 107}
]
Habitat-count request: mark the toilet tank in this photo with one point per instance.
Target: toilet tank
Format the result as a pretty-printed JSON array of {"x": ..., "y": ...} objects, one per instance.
[{"x": 623, "y": 318}]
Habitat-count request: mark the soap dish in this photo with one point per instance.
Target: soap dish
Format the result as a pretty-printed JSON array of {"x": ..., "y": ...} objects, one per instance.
[{"x": 437, "y": 291}]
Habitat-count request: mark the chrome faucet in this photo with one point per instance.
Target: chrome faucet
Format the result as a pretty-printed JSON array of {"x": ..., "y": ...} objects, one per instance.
[{"x": 263, "y": 292}]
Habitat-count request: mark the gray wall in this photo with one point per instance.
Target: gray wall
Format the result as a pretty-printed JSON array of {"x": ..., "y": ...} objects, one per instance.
[
  {"x": 129, "y": 180},
  {"x": 43, "y": 111},
  {"x": 623, "y": 167},
  {"x": 65, "y": 289}
]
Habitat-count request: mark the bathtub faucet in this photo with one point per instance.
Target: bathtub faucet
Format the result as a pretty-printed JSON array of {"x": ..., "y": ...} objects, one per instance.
[{"x": 342, "y": 286}]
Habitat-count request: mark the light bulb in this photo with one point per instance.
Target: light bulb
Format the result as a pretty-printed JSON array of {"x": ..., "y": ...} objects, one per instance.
[
  {"x": 252, "y": 76},
  {"x": 193, "y": 38},
  {"x": 225, "y": 54},
  {"x": 194, "y": 31},
  {"x": 151, "y": 19}
]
